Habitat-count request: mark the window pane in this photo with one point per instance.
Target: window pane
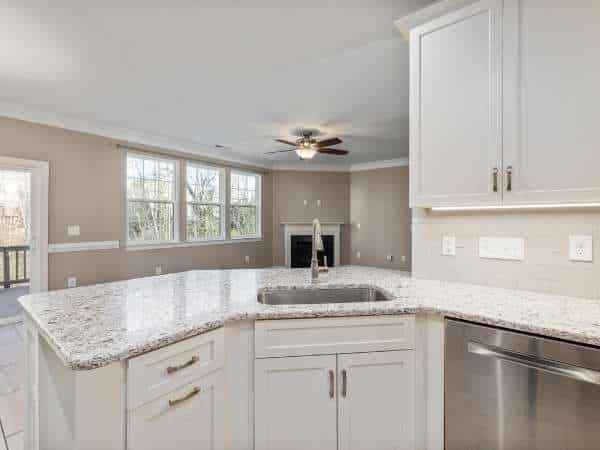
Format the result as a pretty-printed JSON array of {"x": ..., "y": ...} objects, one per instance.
[
  {"x": 150, "y": 221},
  {"x": 203, "y": 184},
  {"x": 243, "y": 221},
  {"x": 203, "y": 222},
  {"x": 150, "y": 179},
  {"x": 243, "y": 189}
]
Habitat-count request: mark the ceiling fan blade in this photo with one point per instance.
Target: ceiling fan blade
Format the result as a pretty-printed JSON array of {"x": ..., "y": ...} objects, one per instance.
[
  {"x": 281, "y": 151},
  {"x": 283, "y": 141},
  {"x": 333, "y": 151},
  {"x": 328, "y": 142}
]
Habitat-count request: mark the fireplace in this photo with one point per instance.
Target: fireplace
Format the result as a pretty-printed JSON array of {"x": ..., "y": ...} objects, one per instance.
[
  {"x": 301, "y": 251},
  {"x": 330, "y": 231}
]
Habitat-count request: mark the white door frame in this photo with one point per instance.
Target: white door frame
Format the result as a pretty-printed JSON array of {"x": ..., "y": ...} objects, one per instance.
[{"x": 39, "y": 217}]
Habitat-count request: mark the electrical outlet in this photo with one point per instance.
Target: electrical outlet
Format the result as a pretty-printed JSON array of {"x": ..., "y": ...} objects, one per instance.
[
  {"x": 72, "y": 282},
  {"x": 158, "y": 270},
  {"x": 389, "y": 257},
  {"x": 247, "y": 259},
  {"x": 449, "y": 245},
  {"x": 73, "y": 230},
  {"x": 581, "y": 248}
]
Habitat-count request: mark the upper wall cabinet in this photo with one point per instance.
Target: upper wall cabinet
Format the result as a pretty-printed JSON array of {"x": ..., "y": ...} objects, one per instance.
[
  {"x": 504, "y": 103},
  {"x": 552, "y": 101},
  {"x": 456, "y": 107}
]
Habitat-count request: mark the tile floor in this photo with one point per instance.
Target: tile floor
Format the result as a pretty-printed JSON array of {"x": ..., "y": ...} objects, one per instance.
[{"x": 11, "y": 387}]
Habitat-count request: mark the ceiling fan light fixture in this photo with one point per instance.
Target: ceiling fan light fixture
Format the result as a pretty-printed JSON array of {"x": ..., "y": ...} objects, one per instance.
[{"x": 306, "y": 153}]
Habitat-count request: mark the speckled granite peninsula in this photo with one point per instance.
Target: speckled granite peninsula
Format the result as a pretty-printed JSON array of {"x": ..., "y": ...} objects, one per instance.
[{"x": 92, "y": 326}]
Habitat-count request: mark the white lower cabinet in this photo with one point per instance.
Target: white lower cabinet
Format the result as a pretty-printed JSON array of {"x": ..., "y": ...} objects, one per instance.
[
  {"x": 376, "y": 401},
  {"x": 189, "y": 418},
  {"x": 295, "y": 403}
]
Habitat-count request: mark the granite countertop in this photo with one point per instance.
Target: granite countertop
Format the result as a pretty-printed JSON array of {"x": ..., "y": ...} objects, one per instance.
[{"x": 92, "y": 326}]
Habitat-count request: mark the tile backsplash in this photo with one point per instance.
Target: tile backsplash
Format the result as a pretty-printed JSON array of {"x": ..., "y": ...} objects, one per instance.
[{"x": 545, "y": 268}]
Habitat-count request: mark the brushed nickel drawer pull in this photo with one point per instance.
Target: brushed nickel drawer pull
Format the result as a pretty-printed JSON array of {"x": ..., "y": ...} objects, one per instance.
[
  {"x": 495, "y": 178},
  {"x": 194, "y": 391},
  {"x": 509, "y": 171},
  {"x": 331, "y": 384},
  {"x": 344, "y": 383},
  {"x": 173, "y": 369}
]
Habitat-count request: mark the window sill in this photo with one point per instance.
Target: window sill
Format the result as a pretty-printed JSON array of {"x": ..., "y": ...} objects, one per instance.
[{"x": 163, "y": 245}]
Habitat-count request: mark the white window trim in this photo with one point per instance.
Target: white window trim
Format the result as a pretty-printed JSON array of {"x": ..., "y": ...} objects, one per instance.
[
  {"x": 175, "y": 201},
  {"x": 258, "y": 234},
  {"x": 222, "y": 203}
]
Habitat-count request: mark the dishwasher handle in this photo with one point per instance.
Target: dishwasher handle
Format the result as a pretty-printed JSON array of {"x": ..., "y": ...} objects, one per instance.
[{"x": 532, "y": 362}]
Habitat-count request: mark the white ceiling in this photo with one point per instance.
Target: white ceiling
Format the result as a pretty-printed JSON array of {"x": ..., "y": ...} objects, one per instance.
[{"x": 190, "y": 74}]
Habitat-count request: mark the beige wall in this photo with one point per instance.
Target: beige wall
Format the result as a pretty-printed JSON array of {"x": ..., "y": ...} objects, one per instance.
[
  {"x": 379, "y": 203},
  {"x": 546, "y": 267},
  {"x": 86, "y": 189},
  {"x": 291, "y": 188}
]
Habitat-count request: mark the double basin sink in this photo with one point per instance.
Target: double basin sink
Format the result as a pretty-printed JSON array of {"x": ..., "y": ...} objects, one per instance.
[{"x": 313, "y": 296}]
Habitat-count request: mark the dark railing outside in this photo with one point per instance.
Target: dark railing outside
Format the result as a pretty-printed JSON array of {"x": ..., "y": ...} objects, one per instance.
[{"x": 14, "y": 265}]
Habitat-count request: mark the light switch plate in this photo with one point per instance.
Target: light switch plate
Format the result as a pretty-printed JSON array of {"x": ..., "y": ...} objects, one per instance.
[
  {"x": 73, "y": 230},
  {"x": 581, "y": 248},
  {"x": 158, "y": 270},
  {"x": 358, "y": 255},
  {"x": 512, "y": 249},
  {"x": 72, "y": 282},
  {"x": 449, "y": 245}
]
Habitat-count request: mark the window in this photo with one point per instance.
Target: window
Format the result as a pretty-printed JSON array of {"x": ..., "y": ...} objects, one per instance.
[
  {"x": 244, "y": 205},
  {"x": 205, "y": 209},
  {"x": 151, "y": 199}
]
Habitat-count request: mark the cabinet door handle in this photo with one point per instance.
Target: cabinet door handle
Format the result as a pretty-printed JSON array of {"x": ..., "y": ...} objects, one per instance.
[
  {"x": 344, "y": 384},
  {"x": 194, "y": 391},
  {"x": 495, "y": 179},
  {"x": 173, "y": 369},
  {"x": 331, "y": 384},
  {"x": 509, "y": 171}
]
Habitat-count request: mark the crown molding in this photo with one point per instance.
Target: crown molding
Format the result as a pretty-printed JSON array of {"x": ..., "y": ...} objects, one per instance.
[
  {"x": 383, "y": 164},
  {"x": 406, "y": 23},
  {"x": 42, "y": 117}
]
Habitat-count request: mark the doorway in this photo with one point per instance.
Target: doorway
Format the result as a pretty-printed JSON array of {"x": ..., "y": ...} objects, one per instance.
[{"x": 23, "y": 233}]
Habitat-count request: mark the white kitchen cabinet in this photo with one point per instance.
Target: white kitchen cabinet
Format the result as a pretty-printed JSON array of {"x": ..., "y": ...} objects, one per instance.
[
  {"x": 456, "y": 108},
  {"x": 551, "y": 107},
  {"x": 295, "y": 403},
  {"x": 189, "y": 418},
  {"x": 376, "y": 401},
  {"x": 358, "y": 396},
  {"x": 503, "y": 103}
]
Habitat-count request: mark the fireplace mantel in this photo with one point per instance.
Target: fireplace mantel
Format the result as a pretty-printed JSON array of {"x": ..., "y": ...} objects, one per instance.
[{"x": 304, "y": 227}]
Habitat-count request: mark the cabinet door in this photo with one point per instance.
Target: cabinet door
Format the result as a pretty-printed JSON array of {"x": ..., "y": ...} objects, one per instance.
[
  {"x": 295, "y": 404},
  {"x": 376, "y": 401},
  {"x": 552, "y": 73},
  {"x": 456, "y": 108},
  {"x": 189, "y": 418}
]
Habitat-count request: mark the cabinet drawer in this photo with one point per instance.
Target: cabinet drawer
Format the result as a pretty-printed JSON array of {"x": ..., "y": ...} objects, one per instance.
[
  {"x": 296, "y": 337},
  {"x": 189, "y": 418},
  {"x": 162, "y": 371}
]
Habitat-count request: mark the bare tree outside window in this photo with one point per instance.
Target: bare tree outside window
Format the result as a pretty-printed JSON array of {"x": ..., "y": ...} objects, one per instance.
[
  {"x": 151, "y": 197},
  {"x": 244, "y": 209},
  {"x": 204, "y": 203}
]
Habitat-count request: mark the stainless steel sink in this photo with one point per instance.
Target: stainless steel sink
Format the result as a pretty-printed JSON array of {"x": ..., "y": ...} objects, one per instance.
[{"x": 312, "y": 296}]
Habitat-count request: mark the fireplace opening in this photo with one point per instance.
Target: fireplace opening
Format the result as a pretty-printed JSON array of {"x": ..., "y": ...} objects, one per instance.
[{"x": 301, "y": 251}]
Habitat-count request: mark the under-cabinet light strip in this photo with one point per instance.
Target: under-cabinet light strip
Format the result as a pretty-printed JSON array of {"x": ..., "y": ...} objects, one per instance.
[{"x": 509, "y": 207}]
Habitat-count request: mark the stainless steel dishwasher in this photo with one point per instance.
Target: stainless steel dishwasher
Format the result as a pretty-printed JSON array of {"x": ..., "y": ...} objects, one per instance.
[{"x": 513, "y": 391}]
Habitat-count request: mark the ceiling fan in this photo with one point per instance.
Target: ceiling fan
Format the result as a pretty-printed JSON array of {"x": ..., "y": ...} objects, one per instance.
[{"x": 307, "y": 146}]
